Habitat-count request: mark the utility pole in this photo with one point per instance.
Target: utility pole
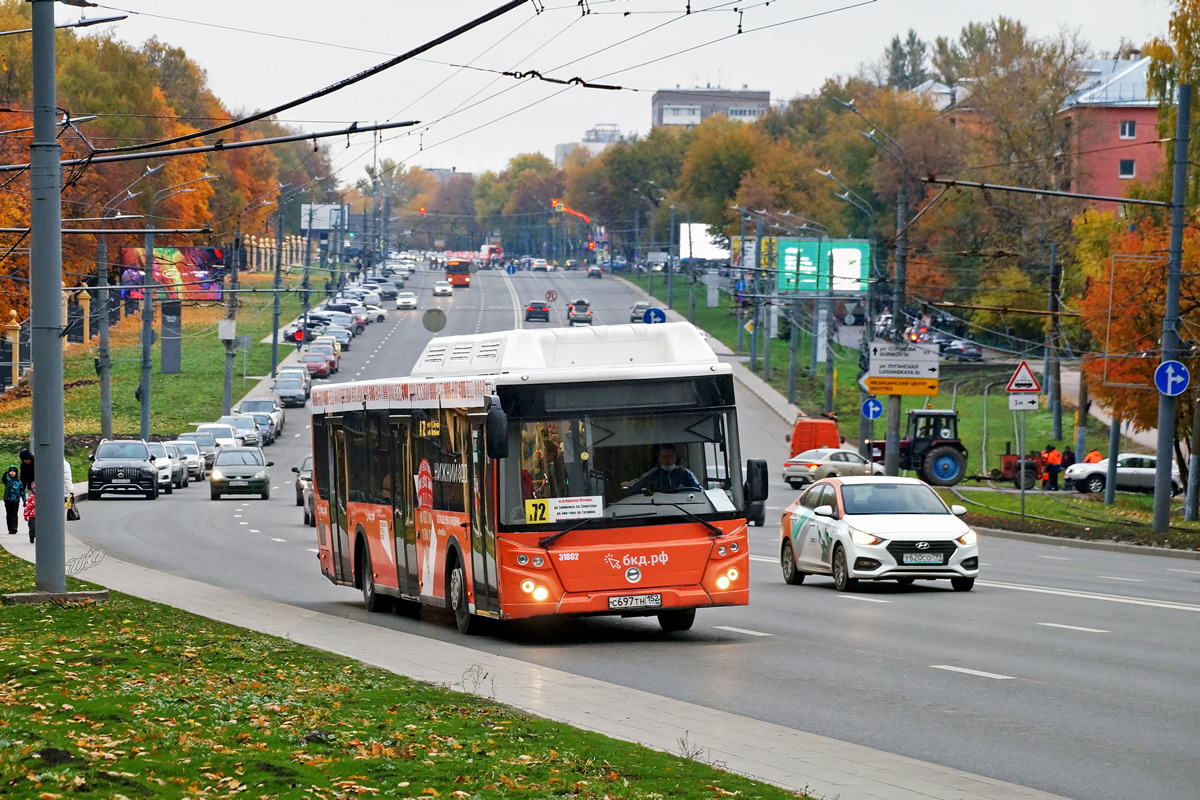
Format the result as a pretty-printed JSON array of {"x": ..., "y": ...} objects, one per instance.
[
  {"x": 1081, "y": 416},
  {"x": 756, "y": 289},
  {"x": 278, "y": 282},
  {"x": 231, "y": 315},
  {"x": 671, "y": 262},
  {"x": 691, "y": 274},
  {"x": 1170, "y": 335},
  {"x": 742, "y": 272},
  {"x": 307, "y": 266},
  {"x": 1055, "y": 398},
  {"x": 793, "y": 346},
  {"x": 769, "y": 309},
  {"x": 45, "y": 307},
  {"x": 891, "y": 453}
]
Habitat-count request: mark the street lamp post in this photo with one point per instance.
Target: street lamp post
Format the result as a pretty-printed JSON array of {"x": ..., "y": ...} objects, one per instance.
[
  {"x": 231, "y": 305},
  {"x": 278, "y": 279}
]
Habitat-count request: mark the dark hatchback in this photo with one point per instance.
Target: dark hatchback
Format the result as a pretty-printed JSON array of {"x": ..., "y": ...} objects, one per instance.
[
  {"x": 290, "y": 393},
  {"x": 122, "y": 466},
  {"x": 536, "y": 309},
  {"x": 240, "y": 470}
]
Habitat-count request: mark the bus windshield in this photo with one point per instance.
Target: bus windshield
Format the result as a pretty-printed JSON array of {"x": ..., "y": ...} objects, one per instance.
[{"x": 667, "y": 464}]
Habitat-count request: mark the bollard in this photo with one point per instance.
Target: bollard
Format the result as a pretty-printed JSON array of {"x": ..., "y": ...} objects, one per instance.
[{"x": 85, "y": 302}]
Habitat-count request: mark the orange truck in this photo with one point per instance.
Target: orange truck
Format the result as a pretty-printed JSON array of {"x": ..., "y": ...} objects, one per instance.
[{"x": 809, "y": 433}]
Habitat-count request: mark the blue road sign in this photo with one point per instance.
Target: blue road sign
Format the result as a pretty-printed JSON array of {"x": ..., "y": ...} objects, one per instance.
[
  {"x": 511, "y": 269},
  {"x": 654, "y": 315},
  {"x": 741, "y": 286},
  {"x": 872, "y": 408},
  {"x": 1171, "y": 378}
]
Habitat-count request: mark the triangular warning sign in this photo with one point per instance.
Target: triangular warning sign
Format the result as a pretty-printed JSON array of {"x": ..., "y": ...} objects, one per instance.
[{"x": 1023, "y": 380}]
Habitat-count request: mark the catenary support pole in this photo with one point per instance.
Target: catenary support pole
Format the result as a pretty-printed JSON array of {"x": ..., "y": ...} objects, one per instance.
[
  {"x": 45, "y": 286},
  {"x": 891, "y": 453},
  {"x": 793, "y": 345},
  {"x": 278, "y": 283},
  {"x": 1114, "y": 448},
  {"x": 756, "y": 333},
  {"x": 147, "y": 329},
  {"x": 231, "y": 315},
  {"x": 1190, "y": 506},
  {"x": 1081, "y": 415},
  {"x": 671, "y": 262},
  {"x": 1055, "y": 390},
  {"x": 741, "y": 277},
  {"x": 1170, "y": 334},
  {"x": 103, "y": 358}
]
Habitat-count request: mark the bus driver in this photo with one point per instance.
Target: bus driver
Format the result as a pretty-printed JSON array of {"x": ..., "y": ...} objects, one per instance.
[{"x": 666, "y": 476}]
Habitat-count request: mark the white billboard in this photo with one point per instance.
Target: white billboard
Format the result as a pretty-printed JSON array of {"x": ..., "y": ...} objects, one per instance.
[
  {"x": 695, "y": 241},
  {"x": 323, "y": 216}
]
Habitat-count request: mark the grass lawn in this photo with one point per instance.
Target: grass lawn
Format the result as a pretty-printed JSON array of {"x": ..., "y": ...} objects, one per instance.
[
  {"x": 721, "y": 323},
  {"x": 194, "y": 395},
  {"x": 135, "y": 700}
]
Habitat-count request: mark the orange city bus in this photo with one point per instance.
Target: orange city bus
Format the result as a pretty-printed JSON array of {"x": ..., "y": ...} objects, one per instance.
[
  {"x": 493, "y": 481},
  {"x": 458, "y": 271}
]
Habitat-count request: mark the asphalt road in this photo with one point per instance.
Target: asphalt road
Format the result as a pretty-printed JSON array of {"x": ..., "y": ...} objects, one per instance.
[{"x": 1071, "y": 671}]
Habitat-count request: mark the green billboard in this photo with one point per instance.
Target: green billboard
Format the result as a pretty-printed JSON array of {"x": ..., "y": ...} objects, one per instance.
[{"x": 820, "y": 266}]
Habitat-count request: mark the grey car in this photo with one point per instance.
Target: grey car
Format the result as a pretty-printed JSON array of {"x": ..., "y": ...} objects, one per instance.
[
  {"x": 1135, "y": 473},
  {"x": 240, "y": 470},
  {"x": 206, "y": 443},
  {"x": 290, "y": 392},
  {"x": 245, "y": 427}
]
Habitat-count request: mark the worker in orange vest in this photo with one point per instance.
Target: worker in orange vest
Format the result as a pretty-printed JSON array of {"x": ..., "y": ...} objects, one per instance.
[
  {"x": 1053, "y": 465},
  {"x": 1093, "y": 457}
]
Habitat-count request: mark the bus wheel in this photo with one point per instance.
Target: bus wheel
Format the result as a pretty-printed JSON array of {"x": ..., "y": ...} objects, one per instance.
[
  {"x": 677, "y": 620},
  {"x": 456, "y": 593},
  {"x": 372, "y": 600}
]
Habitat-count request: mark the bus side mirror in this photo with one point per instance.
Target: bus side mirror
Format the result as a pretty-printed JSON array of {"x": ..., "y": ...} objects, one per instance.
[
  {"x": 756, "y": 480},
  {"x": 496, "y": 432}
]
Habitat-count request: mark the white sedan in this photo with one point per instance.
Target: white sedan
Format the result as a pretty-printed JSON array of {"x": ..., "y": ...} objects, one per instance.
[
  {"x": 377, "y": 313},
  {"x": 406, "y": 300},
  {"x": 442, "y": 288},
  {"x": 876, "y": 528}
]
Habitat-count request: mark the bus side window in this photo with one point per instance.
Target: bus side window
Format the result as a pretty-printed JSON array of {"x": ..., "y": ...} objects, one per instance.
[{"x": 320, "y": 458}]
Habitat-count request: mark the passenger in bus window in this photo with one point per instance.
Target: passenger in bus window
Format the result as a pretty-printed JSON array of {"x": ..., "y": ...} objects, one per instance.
[{"x": 666, "y": 476}]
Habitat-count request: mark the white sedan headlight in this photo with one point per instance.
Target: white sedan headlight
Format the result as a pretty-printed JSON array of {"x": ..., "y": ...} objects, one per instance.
[
  {"x": 858, "y": 537},
  {"x": 969, "y": 538}
]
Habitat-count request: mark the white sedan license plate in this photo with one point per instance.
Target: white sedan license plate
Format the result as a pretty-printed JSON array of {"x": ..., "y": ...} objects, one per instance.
[
  {"x": 239, "y": 483},
  {"x": 636, "y": 601},
  {"x": 922, "y": 558}
]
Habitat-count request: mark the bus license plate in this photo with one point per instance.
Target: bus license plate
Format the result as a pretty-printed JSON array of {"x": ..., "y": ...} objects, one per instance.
[
  {"x": 635, "y": 601},
  {"x": 922, "y": 558}
]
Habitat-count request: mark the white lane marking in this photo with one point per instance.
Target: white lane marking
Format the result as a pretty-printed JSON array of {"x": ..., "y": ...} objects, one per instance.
[
  {"x": 306, "y": 427},
  {"x": 243, "y": 523},
  {"x": 313, "y": 550},
  {"x": 296, "y": 436},
  {"x": 255, "y": 530},
  {"x": 741, "y": 630},
  {"x": 237, "y": 516},
  {"x": 1188, "y": 571},
  {"x": 975, "y": 672},
  {"x": 762, "y": 558},
  {"x": 1115, "y": 578},
  {"x": 273, "y": 539},
  {"x": 1072, "y": 627},
  {"x": 864, "y": 599},
  {"x": 1056, "y": 558},
  {"x": 1111, "y": 598}
]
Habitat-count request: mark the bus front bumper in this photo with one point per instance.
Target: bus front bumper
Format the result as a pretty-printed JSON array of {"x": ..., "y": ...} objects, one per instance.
[{"x": 640, "y": 603}]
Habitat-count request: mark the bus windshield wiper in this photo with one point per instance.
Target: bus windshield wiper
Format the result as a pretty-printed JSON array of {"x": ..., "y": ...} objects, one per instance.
[
  {"x": 714, "y": 530},
  {"x": 546, "y": 541}
]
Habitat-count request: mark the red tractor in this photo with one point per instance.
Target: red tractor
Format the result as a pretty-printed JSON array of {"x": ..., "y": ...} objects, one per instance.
[{"x": 931, "y": 447}]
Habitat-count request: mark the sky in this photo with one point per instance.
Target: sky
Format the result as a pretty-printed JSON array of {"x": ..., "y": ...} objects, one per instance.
[{"x": 260, "y": 53}]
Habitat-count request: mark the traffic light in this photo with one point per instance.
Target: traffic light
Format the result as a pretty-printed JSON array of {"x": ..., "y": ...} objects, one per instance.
[
  {"x": 422, "y": 211},
  {"x": 591, "y": 245}
]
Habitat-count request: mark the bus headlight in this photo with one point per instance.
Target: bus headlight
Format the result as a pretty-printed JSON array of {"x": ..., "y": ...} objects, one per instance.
[
  {"x": 522, "y": 559},
  {"x": 732, "y": 574},
  {"x": 537, "y": 561},
  {"x": 527, "y": 586},
  {"x": 540, "y": 593},
  {"x": 722, "y": 583}
]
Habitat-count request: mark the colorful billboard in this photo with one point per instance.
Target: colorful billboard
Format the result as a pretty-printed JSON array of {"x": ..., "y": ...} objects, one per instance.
[{"x": 184, "y": 273}]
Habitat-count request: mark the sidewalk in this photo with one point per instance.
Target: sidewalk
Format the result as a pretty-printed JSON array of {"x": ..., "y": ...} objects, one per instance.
[
  {"x": 798, "y": 761},
  {"x": 1070, "y": 393}
]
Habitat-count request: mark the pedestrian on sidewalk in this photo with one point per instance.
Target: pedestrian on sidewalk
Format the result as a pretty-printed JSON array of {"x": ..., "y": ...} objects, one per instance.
[
  {"x": 26, "y": 458},
  {"x": 1068, "y": 458},
  {"x": 1053, "y": 465},
  {"x": 31, "y": 512},
  {"x": 14, "y": 496}
]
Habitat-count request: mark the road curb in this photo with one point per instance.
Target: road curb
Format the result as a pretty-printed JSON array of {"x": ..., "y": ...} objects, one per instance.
[{"x": 1084, "y": 544}]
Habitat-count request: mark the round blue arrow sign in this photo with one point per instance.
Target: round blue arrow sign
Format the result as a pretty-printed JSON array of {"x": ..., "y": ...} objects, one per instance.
[
  {"x": 511, "y": 269},
  {"x": 872, "y": 408},
  {"x": 1171, "y": 378},
  {"x": 654, "y": 315}
]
